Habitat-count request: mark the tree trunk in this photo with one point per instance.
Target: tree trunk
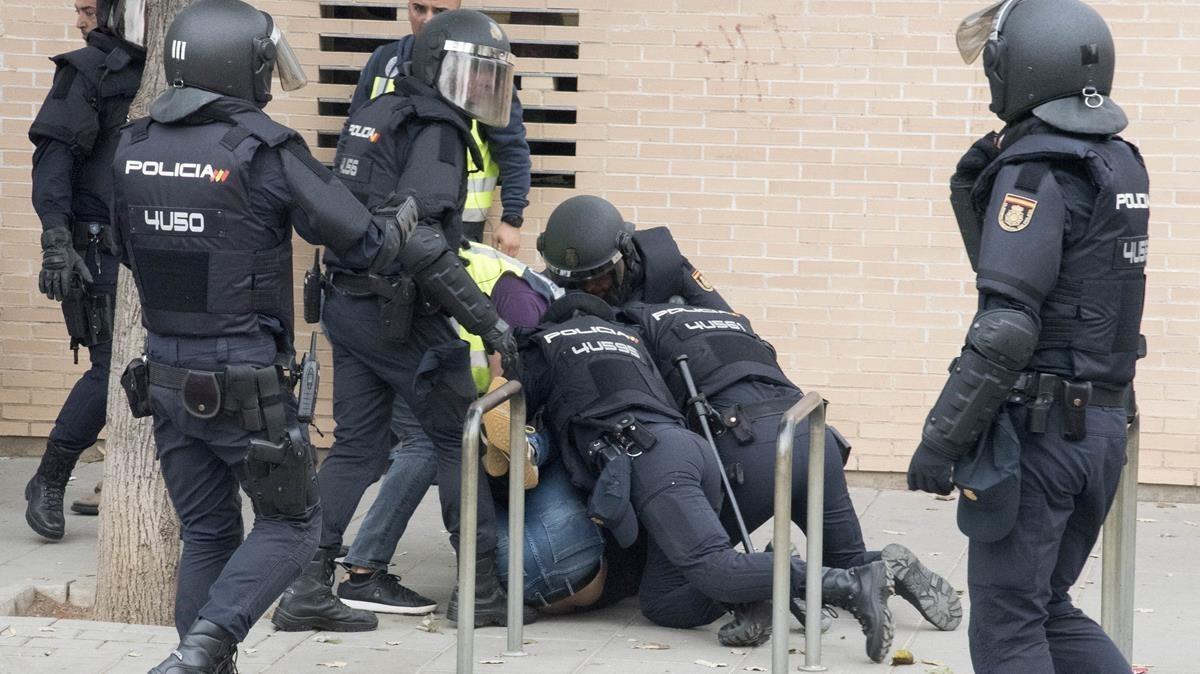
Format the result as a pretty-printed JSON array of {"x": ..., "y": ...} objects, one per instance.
[{"x": 138, "y": 547}]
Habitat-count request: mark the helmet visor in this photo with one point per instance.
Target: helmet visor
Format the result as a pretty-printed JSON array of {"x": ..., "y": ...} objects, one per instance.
[
  {"x": 127, "y": 19},
  {"x": 574, "y": 279},
  {"x": 975, "y": 30},
  {"x": 478, "y": 80},
  {"x": 287, "y": 65}
]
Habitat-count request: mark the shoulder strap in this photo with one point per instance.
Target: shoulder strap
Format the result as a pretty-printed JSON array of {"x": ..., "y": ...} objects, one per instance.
[
  {"x": 262, "y": 127},
  {"x": 662, "y": 262}
]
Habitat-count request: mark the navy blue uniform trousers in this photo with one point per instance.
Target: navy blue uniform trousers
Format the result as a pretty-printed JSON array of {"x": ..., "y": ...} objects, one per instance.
[
  {"x": 431, "y": 370},
  {"x": 1022, "y": 618},
  {"x": 222, "y": 578},
  {"x": 84, "y": 412}
]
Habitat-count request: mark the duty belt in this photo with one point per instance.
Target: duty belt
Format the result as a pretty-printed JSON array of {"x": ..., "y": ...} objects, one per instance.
[
  {"x": 255, "y": 395},
  {"x": 1040, "y": 390},
  {"x": 740, "y": 418},
  {"x": 353, "y": 284}
]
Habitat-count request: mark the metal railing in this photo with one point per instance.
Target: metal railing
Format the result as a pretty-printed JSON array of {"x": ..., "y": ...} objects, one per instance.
[
  {"x": 811, "y": 406},
  {"x": 469, "y": 523},
  {"x": 1119, "y": 551}
]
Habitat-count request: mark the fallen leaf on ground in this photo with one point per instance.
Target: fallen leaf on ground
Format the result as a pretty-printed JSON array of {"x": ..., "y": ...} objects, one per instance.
[
  {"x": 1143, "y": 610},
  {"x": 1146, "y": 519},
  {"x": 133, "y": 654},
  {"x": 935, "y": 663},
  {"x": 46, "y": 629},
  {"x": 890, "y": 532},
  {"x": 322, "y": 639},
  {"x": 737, "y": 652},
  {"x": 652, "y": 646},
  {"x": 430, "y": 624},
  {"x": 755, "y": 668},
  {"x": 902, "y": 657},
  {"x": 1165, "y": 505},
  {"x": 1167, "y": 535},
  {"x": 393, "y": 643},
  {"x": 336, "y": 664},
  {"x": 947, "y": 497},
  {"x": 710, "y": 664},
  {"x": 1142, "y": 669},
  {"x": 250, "y": 651},
  {"x": 491, "y": 662},
  {"x": 940, "y": 670},
  {"x": 1191, "y": 523}
]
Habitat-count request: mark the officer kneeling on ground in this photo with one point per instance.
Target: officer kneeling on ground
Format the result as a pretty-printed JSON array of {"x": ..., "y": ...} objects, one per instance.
[
  {"x": 206, "y": 191},
  {"x": 1031, "y": 425},
  {"x": 744, "y": 394},
  {"x": 625, "y": 443}
]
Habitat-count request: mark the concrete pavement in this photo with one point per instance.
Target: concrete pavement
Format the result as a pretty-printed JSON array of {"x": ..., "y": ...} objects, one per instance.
[{"x": 617, "y": 640}]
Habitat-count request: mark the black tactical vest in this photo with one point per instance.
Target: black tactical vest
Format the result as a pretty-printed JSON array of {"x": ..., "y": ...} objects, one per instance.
[
  {"x": 204, "y": 263},
  {"x": 373, "y": 149},
  {"x": 1095, "y": 309},
  {"x": 721, "y": 347},
  {"x": 598, "y": 368},
  {"x": 114, "y": 72}
]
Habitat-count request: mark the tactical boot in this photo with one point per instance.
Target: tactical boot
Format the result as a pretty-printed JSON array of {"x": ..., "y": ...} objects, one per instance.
[
  {"x": 491, "y": 601},
  {"x": 864, "y": 591},
  {"x": 309, "y": 603},
  {"x": 44, "y": 513},
  {"x": 205, "y": 649},
  {"x": 931, "y": 594},
  {"x": 751, "y": 625}
]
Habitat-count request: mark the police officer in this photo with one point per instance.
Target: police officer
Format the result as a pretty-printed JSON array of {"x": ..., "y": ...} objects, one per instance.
[
  {"x": 746, "y": 394},
  {"x": 625, "y": 443},
  {"x": 503, "y": 150},
  {"x": 389, "y": 330},
  {"x": 206, "y": 191},
  {"x": 1031, "y": 424},
  {"x": 588, "y": 246},
  {"x": 75, "y": 134}
]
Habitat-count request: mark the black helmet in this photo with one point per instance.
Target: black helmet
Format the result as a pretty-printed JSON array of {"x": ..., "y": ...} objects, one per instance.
[
  {"x": 465, "y": 56},
  {"x": 1054, "y": 58},
  {"x": 228, "y": 48},
  {"x": 585, "y": 238},
  {"x": 126, "y": 19}
]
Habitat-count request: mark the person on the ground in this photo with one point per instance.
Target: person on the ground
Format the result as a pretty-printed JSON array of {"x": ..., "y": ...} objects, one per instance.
[
  {"x": 1031, "y": 425},
  {"x": 503, "y": 151},
  {"x": 625, "y": 443},
  {"x": 206, "y": 192},
  {"x": 75, "y": 134},
  {"x": 389, "y": 330}
]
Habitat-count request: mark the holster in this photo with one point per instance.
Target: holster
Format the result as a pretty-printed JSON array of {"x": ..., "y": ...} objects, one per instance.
[
  {"x": 280, "y": 475},
  {"x": 624, "y": 436},
  {"x": 136, "y": 382},
  {"x": 88, "y": 316},
  {"x": 397, "y": 296}
]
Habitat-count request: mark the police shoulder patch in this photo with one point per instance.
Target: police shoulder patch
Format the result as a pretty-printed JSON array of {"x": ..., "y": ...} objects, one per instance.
[
  {"x": 701, "y": 281},
  {"x": 1016, "y": 212}
]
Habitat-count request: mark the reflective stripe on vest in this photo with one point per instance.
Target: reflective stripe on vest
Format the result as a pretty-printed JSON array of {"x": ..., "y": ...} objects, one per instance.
[{"x": 481, "y": 182}]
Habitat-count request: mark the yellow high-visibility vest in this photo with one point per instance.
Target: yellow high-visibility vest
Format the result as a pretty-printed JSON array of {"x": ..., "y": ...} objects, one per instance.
[{"x": 481, "y": 181}]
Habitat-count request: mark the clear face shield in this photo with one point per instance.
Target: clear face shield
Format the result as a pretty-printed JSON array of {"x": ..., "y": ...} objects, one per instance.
[
  {"x": 478, "y": 80},
  {"x": 127, "y": 19},
  {"x": 977, "y": 29},
  {"x": 287, "y": 65}
]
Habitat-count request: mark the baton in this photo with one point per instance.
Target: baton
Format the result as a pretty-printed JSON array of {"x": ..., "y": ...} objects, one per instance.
[{"x": 702, "y": 414}]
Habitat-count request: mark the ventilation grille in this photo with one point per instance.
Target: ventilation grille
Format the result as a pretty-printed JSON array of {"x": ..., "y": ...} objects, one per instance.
[{"x": 546, "y": 79}]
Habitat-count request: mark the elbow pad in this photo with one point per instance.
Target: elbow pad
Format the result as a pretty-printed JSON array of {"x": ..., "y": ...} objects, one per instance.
[
  {"x": 396, "y": 225},
  {"x": 1000, "y": 344},
  {"x": 442, "y": 278}
]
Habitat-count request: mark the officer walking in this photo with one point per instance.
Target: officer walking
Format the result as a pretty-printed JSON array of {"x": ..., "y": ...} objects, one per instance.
[
  {"x": 503, "y": 151},
  {"x": 1031, "y": 424},
  {"x": 624, "y": 442},
  {"x": 207, "y": 189},
  {"x": 589, "y": 246},
  {"x": 746, "y": 394},
  {"x": 389, "y": 330},
  {"x": 75, "y": 134}
]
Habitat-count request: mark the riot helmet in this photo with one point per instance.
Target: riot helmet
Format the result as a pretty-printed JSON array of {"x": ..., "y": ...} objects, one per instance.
[
  {"x": 1054, "y": 58},
  {"x": 126, "y": 19},
  {"x": 585, "y": 239},
  {"x": 229, "y": 48},
  {"x": 465, "y": 56}
]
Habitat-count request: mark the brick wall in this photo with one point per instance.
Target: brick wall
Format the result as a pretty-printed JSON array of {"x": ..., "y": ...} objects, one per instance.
[{"x": 799, "y": 151}]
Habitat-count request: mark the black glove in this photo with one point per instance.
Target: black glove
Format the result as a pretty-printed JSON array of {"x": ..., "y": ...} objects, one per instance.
[
  {"x": 60, "y": 263},
  {"x": 930, "y": 471},
  {"x": 981, "y": 153},
  {"x": 499, "y": 339}
]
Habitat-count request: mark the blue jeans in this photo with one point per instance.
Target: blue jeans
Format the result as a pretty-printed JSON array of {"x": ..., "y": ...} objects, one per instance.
[
  {"x": 414, "y": 465},
  {"x": 563, "y": 547}
]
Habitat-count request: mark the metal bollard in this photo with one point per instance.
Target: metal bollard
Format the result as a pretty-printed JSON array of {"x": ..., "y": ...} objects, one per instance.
[
  {"x": 469, "y": 523},
  {"x": 813, "y": 407},
  {"x": 1119, "y": 552}
]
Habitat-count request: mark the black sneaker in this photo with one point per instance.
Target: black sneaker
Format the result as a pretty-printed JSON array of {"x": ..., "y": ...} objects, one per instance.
[{"x": 382, "y": 592}]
